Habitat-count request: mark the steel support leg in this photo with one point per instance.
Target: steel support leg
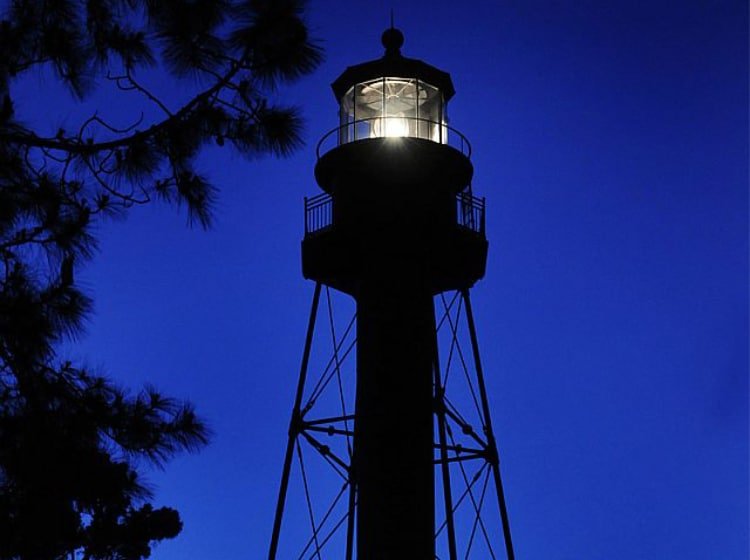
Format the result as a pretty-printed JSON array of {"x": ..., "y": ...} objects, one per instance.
[
  {"x": 445, "y": 468},
  {"x": 350, "y": 521},
  {"x": 494, "y": 459},
  {"x": 294, "y": 426}
]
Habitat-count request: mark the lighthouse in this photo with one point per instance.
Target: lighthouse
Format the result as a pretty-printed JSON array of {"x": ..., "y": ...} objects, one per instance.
[{"x": 396, "y": 226}]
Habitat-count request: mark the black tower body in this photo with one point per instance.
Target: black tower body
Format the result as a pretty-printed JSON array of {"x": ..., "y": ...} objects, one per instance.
[{"x": 396, "y": 225}]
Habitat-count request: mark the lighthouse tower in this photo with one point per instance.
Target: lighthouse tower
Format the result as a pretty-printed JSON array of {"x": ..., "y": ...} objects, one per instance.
[{"x": 396, "y": 227}]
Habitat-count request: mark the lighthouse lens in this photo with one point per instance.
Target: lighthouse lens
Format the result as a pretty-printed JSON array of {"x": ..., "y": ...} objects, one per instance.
[{"x": 392, "y": 107}]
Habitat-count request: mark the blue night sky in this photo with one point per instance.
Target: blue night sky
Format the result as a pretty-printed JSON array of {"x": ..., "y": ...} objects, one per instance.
[{"x": 611, "y": 142}]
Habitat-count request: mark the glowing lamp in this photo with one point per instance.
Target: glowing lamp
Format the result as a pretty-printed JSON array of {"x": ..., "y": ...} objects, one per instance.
[
  {"x": 393, "y": 97},
  {"x": 390, "y": 127}
]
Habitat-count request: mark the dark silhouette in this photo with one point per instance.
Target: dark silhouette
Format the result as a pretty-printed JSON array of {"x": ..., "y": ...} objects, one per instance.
[
  {"x": 70, "y": 441},
  {"x": 396, "y": 225}
]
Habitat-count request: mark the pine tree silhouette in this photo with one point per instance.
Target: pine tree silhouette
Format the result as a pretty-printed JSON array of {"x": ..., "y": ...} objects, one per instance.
[{"x": 70, "y": 440}]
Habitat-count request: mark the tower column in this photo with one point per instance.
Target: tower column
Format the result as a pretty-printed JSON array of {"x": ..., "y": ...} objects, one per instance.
[{"x": 394, "y": 467}]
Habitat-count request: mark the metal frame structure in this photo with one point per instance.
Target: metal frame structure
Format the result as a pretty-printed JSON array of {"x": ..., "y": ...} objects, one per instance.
[{"x": 465, "y": 445}]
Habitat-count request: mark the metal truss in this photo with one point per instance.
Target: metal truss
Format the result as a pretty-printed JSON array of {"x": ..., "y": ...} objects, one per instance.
[
  {"x": 466, "y": 445},
  {"x": 321, "y": 434}
]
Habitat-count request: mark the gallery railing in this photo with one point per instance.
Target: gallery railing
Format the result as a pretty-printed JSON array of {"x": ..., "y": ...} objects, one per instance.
[
  {"x": 319, "y": 213},
  {"x": 394, "y": 127},
  {"x": 470, "y": 212}
]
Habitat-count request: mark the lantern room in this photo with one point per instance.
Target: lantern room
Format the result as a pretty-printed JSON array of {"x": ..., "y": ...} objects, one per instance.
[
  {"x": 392, "y": 107},
  {"x": 393, "y": 97}
]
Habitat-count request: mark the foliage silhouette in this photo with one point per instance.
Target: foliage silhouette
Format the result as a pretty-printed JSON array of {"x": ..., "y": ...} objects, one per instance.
[{"x": 72, "y": 444}]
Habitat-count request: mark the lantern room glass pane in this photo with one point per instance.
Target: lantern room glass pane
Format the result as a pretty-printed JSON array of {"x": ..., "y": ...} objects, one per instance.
[
  {"x": 431, "y": 114},
  {"x": 346, "y": 118},
  {"x": 392, "y": 107}
]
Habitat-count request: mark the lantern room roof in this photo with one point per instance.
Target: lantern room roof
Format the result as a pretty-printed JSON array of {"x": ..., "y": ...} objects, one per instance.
[{"x": 393, "y": 64}]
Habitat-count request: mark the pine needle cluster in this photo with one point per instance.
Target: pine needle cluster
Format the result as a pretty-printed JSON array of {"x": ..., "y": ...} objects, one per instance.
[{"x": 73, "y": 444}]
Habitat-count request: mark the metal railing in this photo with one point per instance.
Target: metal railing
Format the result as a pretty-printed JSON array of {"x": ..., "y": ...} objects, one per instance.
[
  {"x": 470, "y": 212},
  {"x": 437, "y": 132},
  {"x": 319, "y": 213}
]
